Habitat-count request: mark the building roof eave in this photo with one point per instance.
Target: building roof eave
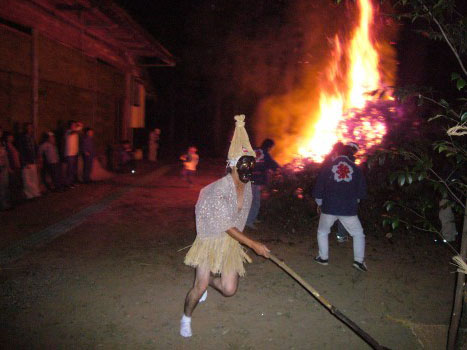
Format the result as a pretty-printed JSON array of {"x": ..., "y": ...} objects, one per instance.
[{"x": 98, "y": 28}]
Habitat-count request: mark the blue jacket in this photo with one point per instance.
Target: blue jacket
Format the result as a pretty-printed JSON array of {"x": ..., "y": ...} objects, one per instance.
[
  {"x": 264, "y": 163},
  {"x": 87, "y": 146},
  {"x": 340, "y": 186}
]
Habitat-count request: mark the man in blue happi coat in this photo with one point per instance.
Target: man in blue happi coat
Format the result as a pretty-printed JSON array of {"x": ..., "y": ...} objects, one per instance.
[{"x": 338, "y": 190}]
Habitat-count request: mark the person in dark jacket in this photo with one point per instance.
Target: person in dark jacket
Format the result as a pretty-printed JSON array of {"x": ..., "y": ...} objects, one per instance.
[
  {"x": 338, "y": 190},
  {"x": 88, "y": 150},
  {"x": 264, "y": 164},
  {"x": 5, "y": 169},
  {"x": 350, "y": 149},
  {"x": 51, "y": 165}
]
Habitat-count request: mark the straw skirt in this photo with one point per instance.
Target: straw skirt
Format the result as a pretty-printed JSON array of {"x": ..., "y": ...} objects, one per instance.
[{"x": 222, "y": 254}]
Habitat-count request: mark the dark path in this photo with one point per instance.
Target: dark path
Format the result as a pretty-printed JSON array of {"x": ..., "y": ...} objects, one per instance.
[{"x": 20, "y": 247}]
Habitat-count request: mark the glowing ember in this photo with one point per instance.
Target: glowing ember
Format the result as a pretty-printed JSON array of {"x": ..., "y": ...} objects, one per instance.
[{"x": 346, "y": 90}]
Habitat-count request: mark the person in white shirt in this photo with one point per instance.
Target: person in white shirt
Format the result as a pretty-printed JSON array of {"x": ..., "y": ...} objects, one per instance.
[
  {"x": 71, "y": 153},
  {"x": 190, "y": 162}
]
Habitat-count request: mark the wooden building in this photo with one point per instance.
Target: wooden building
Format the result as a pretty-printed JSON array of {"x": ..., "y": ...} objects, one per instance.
[{"x": 83, "y": 60}]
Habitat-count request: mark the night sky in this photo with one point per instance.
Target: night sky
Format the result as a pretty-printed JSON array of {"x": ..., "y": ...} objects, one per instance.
[
  {"x": 232, "y": 54},
  {"x": 206, "y": 39}
]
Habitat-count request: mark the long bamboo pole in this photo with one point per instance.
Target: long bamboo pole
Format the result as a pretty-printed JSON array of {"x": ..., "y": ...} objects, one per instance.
[{"x": 360, "y": 332}]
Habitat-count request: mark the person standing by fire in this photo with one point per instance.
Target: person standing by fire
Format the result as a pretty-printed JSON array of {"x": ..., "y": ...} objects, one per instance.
[
  {"x": 338, "y": 190},
  {"x": 221, "y": 213},
  {"x": 342, "y": 235},
  {"x": 264, "y": 165}
]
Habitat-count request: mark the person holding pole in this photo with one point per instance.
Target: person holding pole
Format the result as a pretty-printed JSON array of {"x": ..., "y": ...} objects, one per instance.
[{"x": 221, "y": 213}]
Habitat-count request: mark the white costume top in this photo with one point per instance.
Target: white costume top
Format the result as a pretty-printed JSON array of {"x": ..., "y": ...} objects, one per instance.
[{"x": 216, "y": 210}]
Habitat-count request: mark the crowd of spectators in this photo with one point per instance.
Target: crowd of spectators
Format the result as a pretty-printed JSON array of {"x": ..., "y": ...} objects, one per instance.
[{"x": 28, "y": 170}]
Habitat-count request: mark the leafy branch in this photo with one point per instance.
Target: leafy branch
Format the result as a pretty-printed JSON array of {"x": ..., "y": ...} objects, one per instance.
[
  {"x": 436, "y": 13},
  {"x": 420, "y": 171},
  {"x": 443, "y": 32},
  {"x": 395, "y": 220}
]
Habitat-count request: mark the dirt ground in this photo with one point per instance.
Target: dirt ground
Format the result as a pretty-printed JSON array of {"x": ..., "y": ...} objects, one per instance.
[{"x": 115, "y": 279}]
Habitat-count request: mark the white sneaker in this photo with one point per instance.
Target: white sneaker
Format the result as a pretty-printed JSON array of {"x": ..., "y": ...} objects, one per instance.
[
  {"x": 185, "y": 327},
  {"x": 342, "y": 239},
  {"x": 204, "y": 296}
]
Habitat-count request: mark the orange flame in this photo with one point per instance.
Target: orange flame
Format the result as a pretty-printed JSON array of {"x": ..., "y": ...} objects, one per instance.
[{"x": 351, "y": 75}]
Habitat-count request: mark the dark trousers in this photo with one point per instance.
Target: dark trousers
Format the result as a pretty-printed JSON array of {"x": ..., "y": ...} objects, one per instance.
[
  {"x": 55, "y": 173},
  {"x": 188, "y": 175},
  {"x": 16, "y": 185},
  {"x": 71, "y": 170},
  {"x": 4, "y": 189},
  {"x": 87, "y": 167}
]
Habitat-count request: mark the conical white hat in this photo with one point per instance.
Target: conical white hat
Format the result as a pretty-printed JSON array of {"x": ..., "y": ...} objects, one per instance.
[{"x": 240, "y": 144}]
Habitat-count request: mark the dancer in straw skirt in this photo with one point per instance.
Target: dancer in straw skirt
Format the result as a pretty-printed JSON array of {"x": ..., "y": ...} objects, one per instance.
[{"x": 221, "y": 213}]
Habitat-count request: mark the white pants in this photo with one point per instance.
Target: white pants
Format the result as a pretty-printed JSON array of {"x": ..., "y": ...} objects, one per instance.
[
  {"x": 31, "y": 181},
  {"x": 351, "y": 224}
]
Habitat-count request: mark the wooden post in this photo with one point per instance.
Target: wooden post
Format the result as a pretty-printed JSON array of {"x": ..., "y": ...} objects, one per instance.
[
  {"x": 459, "y": 294},
  {"x": 125, "y": 134},
  {"x": 35, "y": 82},
  {"x": 461, "y": 342},
  {"x": 172, "y": 128}
]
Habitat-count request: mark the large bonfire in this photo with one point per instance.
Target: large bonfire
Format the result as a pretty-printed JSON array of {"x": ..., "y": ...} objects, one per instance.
[{"x": 352, "y": 94}]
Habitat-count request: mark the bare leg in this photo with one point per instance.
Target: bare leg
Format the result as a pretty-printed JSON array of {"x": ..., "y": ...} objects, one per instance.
[
  {"x": 226, "y": 284},
  {"x": 199, "y": 286},
  {"x": 192, "y": 299}
]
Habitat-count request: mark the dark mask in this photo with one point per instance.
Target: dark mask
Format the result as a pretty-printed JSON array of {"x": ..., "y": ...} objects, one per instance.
[{"x": 245, "y": 167}]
